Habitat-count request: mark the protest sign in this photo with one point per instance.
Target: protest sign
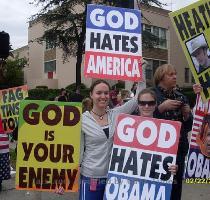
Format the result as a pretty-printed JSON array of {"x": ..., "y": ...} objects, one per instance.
[
  {"x": 9, "y": 101},
  {"x": 192, "y": 27},
  {"x": 48, "y": 146},
  {"x": 113, "y": 48},
  {"x": 198, "y": 164},
  {"x": 142, "y": 151}
]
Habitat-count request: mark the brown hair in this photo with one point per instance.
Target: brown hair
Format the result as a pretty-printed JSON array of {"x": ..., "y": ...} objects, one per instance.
[
  {"x": 87, "y": 104},
  {"x": 98, "y": 82},
  {"x": 147, "y": 91},
  {"x": 161, "y": 71},
  {"x": 124, "y": 94}
]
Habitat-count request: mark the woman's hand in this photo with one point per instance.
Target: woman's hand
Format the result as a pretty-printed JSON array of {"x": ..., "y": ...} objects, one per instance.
[
  {"x": 197, "y": 88},
  {"x": 169, "y": 105},
  {"x": 173, "y": 169},
  {"x": 59, "y": 190},
  {"x": 185, "y": 109}
]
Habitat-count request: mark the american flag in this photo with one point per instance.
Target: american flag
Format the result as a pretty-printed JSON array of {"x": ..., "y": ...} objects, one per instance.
[{"x": 4, "y": 140}]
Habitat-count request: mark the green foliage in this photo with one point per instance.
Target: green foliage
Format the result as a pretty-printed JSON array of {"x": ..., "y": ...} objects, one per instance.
[
  {"x": 72, "y": 87},
  {"x": 43, "y": 94},
  {"x": 50, "y": 94},
  {"x": 85, "y": 92},
  {"x": 13, "y": 72}
]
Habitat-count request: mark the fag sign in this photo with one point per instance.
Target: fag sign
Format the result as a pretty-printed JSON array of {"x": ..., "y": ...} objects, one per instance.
[
  {"x": 9, "y": 106},
  {"x": 142, "y": 151},
  {"x": 113, "y": 43},
  {"x": 48, "y": 146}
]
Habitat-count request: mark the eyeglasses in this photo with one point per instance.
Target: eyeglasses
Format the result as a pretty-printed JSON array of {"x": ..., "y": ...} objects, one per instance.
[{"x": 149, "y": 103}]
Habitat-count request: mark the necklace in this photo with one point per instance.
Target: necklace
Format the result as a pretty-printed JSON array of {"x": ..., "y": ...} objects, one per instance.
[{"x": 99, "y": 116}]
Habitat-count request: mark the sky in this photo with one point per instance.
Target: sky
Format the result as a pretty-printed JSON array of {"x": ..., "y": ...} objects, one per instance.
[{"x": 15, "y": 14}]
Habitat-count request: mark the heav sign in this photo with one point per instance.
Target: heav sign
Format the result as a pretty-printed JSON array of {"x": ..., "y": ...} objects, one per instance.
[
  {"x": 113, "y": 43},
  {"x": 142, "y": 151}
]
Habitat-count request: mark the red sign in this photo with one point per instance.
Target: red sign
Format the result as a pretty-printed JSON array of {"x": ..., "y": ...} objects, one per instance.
[{"x": 147, "y": 133}]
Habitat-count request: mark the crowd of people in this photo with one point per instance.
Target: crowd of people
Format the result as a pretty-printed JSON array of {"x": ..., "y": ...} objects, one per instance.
[
  {"x": 98, "y": 125},
  {"x": 100, "y": 112}
]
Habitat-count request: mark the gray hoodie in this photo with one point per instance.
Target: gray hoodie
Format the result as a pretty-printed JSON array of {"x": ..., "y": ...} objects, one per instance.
[{"x": 96, "y": 149}]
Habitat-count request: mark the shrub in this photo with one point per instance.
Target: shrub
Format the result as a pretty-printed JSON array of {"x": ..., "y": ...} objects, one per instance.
[
  {"x": 72, "y": 87},
  {"x": 43, "y": 94}
]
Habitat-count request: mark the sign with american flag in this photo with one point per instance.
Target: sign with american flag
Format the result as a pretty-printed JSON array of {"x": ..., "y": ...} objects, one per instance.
[{"x": 198, "y": 165}]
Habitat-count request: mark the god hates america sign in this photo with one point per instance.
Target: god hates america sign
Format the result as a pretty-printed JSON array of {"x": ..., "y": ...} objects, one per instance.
[
  {"x": 143, "y": 149},
  {"x": 113, "y": 43}
]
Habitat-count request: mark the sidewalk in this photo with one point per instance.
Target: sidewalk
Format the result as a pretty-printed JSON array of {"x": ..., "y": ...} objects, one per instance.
[
  {"x": 190, "y": 192},
  {"x": 10, "y": 193}
]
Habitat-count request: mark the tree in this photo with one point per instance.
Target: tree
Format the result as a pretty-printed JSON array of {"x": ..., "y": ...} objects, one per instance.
[
  {"x": 65, "y": 23},
  {"x": 12, "y": 72}
]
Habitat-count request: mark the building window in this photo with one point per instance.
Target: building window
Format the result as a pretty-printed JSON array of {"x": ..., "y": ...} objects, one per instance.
[
  {"x": 158, "y": 32},
  {"x": 147, "y": 27},
  {"x": 187, "y": 75},
  {"x": 50, "y": 44},
  {"x": 151, "y": 67},
  {"x": 50, "y": 66},
  {"x": 149, "y": 71}
]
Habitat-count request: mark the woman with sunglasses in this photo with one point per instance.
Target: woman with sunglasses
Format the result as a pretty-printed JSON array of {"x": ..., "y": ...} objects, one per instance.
[{"x": 147, "y": 104}]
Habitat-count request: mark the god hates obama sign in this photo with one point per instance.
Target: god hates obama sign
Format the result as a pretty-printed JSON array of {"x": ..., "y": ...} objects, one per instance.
[
  {"x": 9, "y": 106},
  {"x": 48, "y": 146},
  {"x": 113, "y": 43},
  {"x": 142, "y": 151}
]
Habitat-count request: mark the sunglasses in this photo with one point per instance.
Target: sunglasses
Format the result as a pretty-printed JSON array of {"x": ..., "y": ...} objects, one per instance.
[{"x": 149, "y": 103}]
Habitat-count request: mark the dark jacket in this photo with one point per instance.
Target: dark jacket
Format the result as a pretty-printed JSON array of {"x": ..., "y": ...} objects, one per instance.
[{"x": 175, "y": 115}]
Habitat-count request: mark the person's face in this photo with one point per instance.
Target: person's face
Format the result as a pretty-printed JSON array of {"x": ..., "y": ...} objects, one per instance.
[
  {"x": 207, "y": 142},
  {"x": 146, "y": 105},
  {"x": 169, "y": 79},
  {"x": 201, "y": 56},
  {"x": 100, "y": 95}
]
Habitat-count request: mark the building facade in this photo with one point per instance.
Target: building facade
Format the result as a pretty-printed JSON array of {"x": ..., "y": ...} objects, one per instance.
[{"x": 46, "y": 66}]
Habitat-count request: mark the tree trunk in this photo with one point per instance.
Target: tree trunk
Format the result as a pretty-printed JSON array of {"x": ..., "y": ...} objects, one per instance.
[{"x": 80, "y": 51}]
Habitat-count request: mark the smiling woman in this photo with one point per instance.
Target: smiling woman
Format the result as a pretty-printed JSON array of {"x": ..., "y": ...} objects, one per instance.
[
  {"x": 98, "y": 127},
  {"x": 147, "y": 103}
]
